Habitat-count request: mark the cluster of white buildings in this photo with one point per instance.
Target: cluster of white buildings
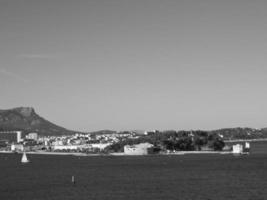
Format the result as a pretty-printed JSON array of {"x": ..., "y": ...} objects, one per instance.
[
  {"x": 77, "y": 142},
  {"x": 240, "y": 148},
  {"x": 32, "y": 136},
  {"x": 83, "y": 142},
  {"x": 90, "y": 142}
]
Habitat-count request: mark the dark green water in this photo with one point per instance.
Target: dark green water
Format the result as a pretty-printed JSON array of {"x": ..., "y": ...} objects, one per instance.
[{"x": 130, "y": 178}]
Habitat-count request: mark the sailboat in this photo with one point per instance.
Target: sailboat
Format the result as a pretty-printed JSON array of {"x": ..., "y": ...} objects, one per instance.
[{"x": 24, "y": 158}]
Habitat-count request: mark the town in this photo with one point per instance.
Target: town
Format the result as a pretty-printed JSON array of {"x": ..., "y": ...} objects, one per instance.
[{"x": 120, "y": 143}]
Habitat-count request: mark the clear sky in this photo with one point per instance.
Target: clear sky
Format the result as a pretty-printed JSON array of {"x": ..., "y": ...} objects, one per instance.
[{"x": 139, "y": 64}]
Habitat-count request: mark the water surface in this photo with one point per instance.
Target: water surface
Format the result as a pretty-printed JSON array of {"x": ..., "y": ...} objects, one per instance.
[{"x": 138, "y": 177}]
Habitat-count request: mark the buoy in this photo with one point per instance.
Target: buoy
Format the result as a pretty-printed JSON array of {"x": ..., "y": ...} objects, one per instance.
[{"x": 73, "y": 180}]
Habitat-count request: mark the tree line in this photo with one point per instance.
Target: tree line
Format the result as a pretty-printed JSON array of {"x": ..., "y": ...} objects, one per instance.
[{"x": 174, "y": 141}]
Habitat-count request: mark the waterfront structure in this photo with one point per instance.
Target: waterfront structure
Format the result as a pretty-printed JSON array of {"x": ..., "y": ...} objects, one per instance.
[
  {"x": 11, "y": 136},
  {"x": 80, "y": 147},
  {"x": 17, "y": 147},
  {"x": 237, "y": 148},
  {"x": 247, "y": 147},
  {"x": 138, "y": 149},
  {"x": 66, "y": 147},
  {"x": 100, "y": 146}
]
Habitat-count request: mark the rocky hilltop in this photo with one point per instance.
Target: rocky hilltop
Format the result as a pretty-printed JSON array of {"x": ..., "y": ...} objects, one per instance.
[{"x": 26, "y": 120}]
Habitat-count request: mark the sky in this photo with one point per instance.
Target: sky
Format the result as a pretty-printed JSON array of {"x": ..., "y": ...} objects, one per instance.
[{"x": 136, "y": 65}]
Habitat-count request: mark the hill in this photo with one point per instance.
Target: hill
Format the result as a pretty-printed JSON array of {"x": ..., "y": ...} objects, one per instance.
[
  {"x": 103, "y": 132},
  {"x": 26, "y": 120},
  {"x": 241, "y": 133}
]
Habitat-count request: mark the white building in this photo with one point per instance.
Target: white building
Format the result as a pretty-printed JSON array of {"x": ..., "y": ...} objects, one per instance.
[
  {"x": 150, "y": 132},
  {"x": 138, "y": 149},
  {"x": 58, "y": 143},
  {"x": 32, "y": 136},
  {"x": 247, "y": 145},
  {"x": 66, "y": 147},
  {"x": 17, "y": 147},
  {"x": 11, "y": 136},
  {"x": 70, "y": 147},
  {"x": 238, "y": 148},
  {"x": 100, "y": 146},
  {"x": 18, "y": 136},
  {"x": 46, "y": 143}
]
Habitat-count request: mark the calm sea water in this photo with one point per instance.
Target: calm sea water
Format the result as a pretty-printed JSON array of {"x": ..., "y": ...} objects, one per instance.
[{"x": 130, "y": 178}]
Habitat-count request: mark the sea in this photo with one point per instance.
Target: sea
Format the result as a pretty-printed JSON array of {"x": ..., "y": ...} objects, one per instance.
[{"x": 155, "y": 177}]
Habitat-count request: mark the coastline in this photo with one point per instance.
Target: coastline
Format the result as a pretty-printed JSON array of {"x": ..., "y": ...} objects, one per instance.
[
  {"x": 117, "y": 154},
  {"x": 51, "y": 153}
]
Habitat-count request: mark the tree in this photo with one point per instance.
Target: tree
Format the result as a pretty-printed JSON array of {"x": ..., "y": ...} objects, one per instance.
[{"x": 217, "y": 144}]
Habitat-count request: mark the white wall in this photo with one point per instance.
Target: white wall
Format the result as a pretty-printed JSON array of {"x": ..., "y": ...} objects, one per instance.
[{"x": 139, "y": 149}]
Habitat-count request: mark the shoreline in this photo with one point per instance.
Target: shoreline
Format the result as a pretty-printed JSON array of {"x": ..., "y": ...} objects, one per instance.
[{"x": 119, "y": 154}]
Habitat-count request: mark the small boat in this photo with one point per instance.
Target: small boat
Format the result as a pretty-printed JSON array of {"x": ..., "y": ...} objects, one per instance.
[{"x": 24, "y": 158}]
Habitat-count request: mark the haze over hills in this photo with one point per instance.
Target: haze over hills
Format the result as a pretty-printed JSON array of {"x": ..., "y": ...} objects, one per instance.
[{"x": 27, "y": 120}]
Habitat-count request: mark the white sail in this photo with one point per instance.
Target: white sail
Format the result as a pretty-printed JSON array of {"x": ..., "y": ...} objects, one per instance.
[{"x": 24, "y": 158}]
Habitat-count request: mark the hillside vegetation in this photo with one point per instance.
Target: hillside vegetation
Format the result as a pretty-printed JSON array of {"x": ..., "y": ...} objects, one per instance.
[{"x": 26, "y": 120}]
